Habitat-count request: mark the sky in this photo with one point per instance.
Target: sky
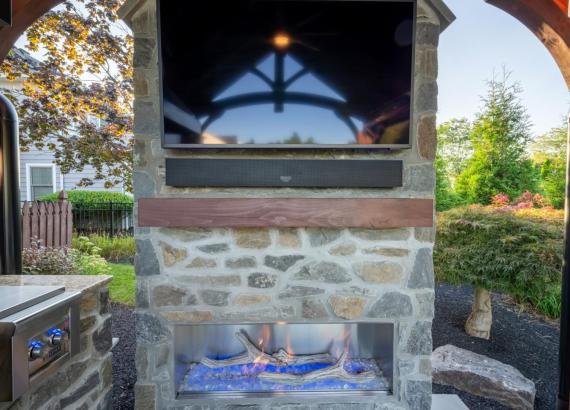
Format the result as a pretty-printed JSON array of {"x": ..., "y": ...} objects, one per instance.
[{"x": 480, "y": 41}]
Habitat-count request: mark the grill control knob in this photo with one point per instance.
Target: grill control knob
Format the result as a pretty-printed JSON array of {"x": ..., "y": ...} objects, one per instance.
[
  {"x": 58, "y": 338},
  {"x": 37, "y": 350}
]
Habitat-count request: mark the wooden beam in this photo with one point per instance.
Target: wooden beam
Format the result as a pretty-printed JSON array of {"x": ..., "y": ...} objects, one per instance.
[
  {"x": 24, "y": 13},
  {"x": 285, "y": 212},
  {"x": 5, "y": 13},
  {"x": 549, "y": 21},
  {"x": 562, "y": 5}
]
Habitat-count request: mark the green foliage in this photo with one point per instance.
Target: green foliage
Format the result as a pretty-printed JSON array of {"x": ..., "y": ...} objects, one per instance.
[
  {"x": 88, "y": 261},
  {"x": 445, "y": 197},
  {"x": 88, "y": 199},
  {"x": 500, "y": 136},
  {"x": 514, "y": 252},
  {"x": 122, "y": 287},
  {"x": 553, "y": 175},
  {"x": 549, "y": 153},
  {"x": 77, "y": 100},
  {"x": 295, "y": 138},
  {"x": 39, "y": 260},
  {"x": 453, "y": 151},
  {"x": 454, "y": 146},
  {"x": 91, "y": 265},
  {"x": 115, "y": 249},
  {"x": 83, "y": 259},
  {"x": 83, "y": 245}
]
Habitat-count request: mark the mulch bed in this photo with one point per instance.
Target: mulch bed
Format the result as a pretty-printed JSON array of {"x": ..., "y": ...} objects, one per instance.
[
  {"x": 519, "y": 339},
  {"x": 124, "y": 369}
]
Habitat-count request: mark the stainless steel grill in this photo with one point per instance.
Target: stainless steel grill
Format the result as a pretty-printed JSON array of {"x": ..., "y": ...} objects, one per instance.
[{"x": 39, "y": 331}]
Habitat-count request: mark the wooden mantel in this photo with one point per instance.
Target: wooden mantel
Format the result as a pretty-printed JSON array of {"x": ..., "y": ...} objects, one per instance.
[{"x": 285, "y": 212}]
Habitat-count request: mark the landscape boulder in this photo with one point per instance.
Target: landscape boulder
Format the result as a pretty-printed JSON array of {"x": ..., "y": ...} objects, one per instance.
[{"x": 482, "y": 376}]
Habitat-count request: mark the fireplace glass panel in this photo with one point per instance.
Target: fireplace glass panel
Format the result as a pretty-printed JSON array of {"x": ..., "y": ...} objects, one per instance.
[{"x": 281, "y": 357}]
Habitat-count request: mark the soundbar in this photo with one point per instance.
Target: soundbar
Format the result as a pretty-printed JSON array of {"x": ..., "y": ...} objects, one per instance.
[{"x": 300, "y": 173}]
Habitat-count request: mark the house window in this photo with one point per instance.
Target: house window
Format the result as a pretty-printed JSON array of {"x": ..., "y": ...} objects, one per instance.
[
  {"x": 41, "y": 181},
  {"x": 96, "y": 121}
]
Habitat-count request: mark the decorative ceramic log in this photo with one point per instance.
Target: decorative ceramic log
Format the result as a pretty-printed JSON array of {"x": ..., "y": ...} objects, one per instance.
[
  {"x": 333, "y": 372},
  {"x": 254, "y": 355}
]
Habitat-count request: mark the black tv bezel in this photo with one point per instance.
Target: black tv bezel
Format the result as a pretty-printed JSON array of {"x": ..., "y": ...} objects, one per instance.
[{"x": 293, "y": 147}]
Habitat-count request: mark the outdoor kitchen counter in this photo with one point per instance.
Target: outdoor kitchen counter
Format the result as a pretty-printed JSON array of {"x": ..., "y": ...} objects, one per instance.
[
  {"x": 83, "y": 283},
  {"x": 85, "y": 381}
]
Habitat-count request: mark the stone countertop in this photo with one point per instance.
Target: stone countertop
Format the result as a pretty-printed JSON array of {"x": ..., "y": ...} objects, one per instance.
[{"x": 83, "y": 283}]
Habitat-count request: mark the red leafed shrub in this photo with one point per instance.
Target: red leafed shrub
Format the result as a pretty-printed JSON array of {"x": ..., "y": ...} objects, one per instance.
[
  {"x": 500, "y": 200},
  {"x": 527, "y": 200},
  {"x": 525, "y": 197},
  {"x": 41, "y": 260},
  {"x": 538, "y": 201}
]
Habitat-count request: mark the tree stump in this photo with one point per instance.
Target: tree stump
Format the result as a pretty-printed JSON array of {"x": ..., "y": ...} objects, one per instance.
[{"x": 481, "y": 318}]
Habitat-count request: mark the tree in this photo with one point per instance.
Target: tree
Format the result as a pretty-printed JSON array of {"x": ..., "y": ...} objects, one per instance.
[
  {"x": 77, "y": 100},
  {"x": 454, "y": 146},
  {"x": 445, "y": 196},
  {"x": 549, "y": 153},
  {"x": 499, "y": 164},
  {"x": 514, "y": 252},
  {"x": 500, "y": 136},
  {"x": 295, "y": 138},
  {"x": 453, "y": 151}
]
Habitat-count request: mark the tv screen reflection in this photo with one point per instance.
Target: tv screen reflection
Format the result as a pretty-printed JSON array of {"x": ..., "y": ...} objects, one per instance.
[{"x": 286, "y": 73}]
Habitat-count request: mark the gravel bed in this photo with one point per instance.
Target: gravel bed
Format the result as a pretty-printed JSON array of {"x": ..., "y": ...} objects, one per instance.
[
  {"x": 124, "y": 370},
  {"x": 519, "y": 339}
]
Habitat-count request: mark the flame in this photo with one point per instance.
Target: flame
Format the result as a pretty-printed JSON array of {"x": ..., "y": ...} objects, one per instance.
[
  {"x": 343, "y": 339},
  {"x": 260, "y": 361},
  {"x": 265, "y": 334},
  {"x": 288, "y": 345}
]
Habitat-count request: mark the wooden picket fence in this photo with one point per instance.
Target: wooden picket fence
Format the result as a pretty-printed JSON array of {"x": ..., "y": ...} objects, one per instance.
[{"x": 51, "y": 223}]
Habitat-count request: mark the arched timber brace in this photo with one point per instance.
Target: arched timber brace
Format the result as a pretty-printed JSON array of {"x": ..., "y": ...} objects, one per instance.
[
  {"x": 549, "y": 21},
  {"x": 24, "y": 13}
]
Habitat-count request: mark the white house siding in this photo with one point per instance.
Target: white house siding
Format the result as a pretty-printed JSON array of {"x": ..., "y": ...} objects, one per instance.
[
  {"x": 67, "y": 182},
  {"x": 71, "y": 180},
  {"x": 31, "y": 158}
]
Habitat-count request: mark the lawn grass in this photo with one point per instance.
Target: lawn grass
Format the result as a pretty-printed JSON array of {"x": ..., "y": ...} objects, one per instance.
[{"x": 122, "y": 287}]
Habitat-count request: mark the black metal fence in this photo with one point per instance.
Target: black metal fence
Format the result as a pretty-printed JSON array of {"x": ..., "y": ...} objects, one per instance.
[{"x": 103, "y": 218}]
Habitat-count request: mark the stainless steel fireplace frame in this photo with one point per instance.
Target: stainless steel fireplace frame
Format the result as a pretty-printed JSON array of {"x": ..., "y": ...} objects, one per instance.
[
  {"x": 180, "y": 332},
  {"x": 288, "y": 394}
]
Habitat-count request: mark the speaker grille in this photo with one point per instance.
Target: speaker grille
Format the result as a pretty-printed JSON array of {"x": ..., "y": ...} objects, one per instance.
[{"x": 183, "y": 172}]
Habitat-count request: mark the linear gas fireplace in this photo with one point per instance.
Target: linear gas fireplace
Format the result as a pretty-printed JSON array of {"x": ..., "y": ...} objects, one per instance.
[{"x": 285, "y": 358}]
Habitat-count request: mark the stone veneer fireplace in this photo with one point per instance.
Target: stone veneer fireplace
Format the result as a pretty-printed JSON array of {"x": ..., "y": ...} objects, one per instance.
[{"x": 204, "y": 294}]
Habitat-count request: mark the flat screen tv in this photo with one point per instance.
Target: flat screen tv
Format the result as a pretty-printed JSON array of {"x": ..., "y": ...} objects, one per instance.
[{"x": 286, "y": 74}]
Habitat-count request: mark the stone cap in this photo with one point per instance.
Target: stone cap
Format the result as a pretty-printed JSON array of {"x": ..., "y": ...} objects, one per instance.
[
  {"x": 83, "y": 283},
  {"x": 446, "y": 16},
  {"x": 128, "y": 9}
]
